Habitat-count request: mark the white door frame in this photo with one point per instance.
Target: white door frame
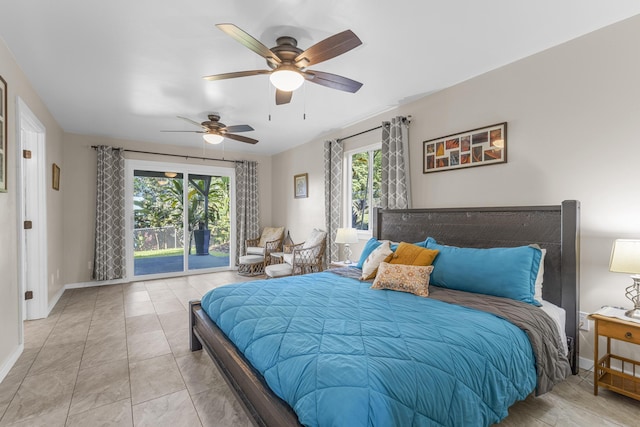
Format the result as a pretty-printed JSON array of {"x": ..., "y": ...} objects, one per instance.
[
  {"x": 184, "y": 168},
  {"x": 32, "y": 258}
]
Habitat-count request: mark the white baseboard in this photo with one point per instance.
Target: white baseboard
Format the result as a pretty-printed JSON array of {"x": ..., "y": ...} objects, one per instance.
[
  {"x": 6, "y": 366},
  {"x": 55, "y": 300},
  {"x": 95, "y": 283},
  {"x": 584, "y": 363},
  {"x": 144, "y": 278}
]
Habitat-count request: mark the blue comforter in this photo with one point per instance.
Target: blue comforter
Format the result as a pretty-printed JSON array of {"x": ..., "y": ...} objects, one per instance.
[{"x": 341, "y": 354}]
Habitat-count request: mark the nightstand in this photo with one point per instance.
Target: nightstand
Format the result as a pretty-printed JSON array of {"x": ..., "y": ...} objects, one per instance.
[
  {"x": 340, "y": 264},
  {"x": 616, "y": 376}
]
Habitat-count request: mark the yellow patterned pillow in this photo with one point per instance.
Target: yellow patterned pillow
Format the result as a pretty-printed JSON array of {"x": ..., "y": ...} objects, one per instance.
[
  {"x": 409, "y": 254},
  {"x": 404, "y": 278},
  {"x": 269, "y": 234}
]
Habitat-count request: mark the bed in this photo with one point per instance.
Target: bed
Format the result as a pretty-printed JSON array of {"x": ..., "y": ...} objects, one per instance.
[{"x": 554, "y": 228}]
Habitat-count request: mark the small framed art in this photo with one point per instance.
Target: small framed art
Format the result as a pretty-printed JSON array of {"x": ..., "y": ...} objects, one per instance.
[
  {"x": 301, "y": 186},
  {"x": 476, "y": 147},
  {"x": 55, "y": 181}
]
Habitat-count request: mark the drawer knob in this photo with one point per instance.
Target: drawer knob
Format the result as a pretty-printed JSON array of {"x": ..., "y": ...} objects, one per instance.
[{"x": 628, "y": 335}]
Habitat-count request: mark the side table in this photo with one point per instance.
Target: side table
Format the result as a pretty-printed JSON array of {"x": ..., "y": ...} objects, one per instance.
[{"x": 622, "y": 377}]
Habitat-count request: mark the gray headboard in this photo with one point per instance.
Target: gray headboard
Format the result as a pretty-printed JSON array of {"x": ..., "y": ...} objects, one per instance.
[{"x": 556, "y": 228}]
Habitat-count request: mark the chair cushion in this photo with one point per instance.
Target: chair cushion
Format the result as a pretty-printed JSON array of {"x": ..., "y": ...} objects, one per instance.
[
  {"x": 251, "y": 259},
  {"x": 269, "y": 234},
  {"x": 288, "y": 258},
  {"x": 278, "y": 270},
  {"x": 316, "y": 237},
  {"x": 255, "y": 250}
]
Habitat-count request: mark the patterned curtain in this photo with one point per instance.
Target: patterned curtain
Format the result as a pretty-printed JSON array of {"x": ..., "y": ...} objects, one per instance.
[
  {"x": 110, "y": 259},
  {"x": 396, "y": 188},
  {"x": 248, "y": 206},
  {"x": 332, "y": 194}
]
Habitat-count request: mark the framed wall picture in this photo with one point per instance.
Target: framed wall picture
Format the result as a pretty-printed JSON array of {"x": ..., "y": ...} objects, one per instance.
[
  {"x": 301, "y": 186},
  {"x": 3, "y": 135},
  {"x": 55, "y": 181},
  {"x": 476, "y": 147}
]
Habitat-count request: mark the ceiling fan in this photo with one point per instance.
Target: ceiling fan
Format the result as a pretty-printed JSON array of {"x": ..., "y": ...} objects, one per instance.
[
  {"x": 214, "y": 131},
  {"x": 289, "y": 63}
]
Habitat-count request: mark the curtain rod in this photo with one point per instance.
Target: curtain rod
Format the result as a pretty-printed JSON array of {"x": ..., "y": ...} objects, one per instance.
[
  {"x": 176, "y": 155},
  {"x": 404, "y": 119},
  {"x": 360, "y": 133}
]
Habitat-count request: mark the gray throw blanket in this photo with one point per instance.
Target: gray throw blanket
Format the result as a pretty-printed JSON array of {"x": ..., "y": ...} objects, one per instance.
[{"x": 552, "y": 365}]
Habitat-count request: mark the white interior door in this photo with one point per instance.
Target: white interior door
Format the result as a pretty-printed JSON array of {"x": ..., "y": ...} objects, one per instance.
[{"x": 32, "y": 208}]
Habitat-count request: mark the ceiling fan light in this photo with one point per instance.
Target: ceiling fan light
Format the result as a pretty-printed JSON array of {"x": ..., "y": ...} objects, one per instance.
[
  {"x": 213, "y": 138},
  {"x": 286, "y": 79},
  {"x": 170, "y": 174}
]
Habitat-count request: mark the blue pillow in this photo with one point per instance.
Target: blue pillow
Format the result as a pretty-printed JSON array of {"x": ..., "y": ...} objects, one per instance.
[
  {"x": 502, "y": 272},
  {"x": 394, "y": 246},
  {"x": 373, "y": 243},
  {"x": 369, "y": 247}
]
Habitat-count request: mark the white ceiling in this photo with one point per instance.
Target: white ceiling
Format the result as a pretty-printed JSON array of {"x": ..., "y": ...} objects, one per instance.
[{"x": 127, "y": 68}]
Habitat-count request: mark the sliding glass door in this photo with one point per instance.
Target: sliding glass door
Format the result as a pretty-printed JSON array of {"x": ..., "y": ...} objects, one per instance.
[
  {"x": 209, "y": 221},
  {"x": 180, "y": 218},
  {"x": 158, "y": 237}
]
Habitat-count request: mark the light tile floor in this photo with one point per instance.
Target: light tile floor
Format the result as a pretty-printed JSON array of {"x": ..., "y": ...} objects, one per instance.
[{"x": 119, "y": 356}]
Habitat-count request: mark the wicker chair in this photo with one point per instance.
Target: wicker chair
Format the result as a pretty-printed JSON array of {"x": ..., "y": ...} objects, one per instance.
[
  {"x": 301, "y": 258},
  {"x": 258, "y": 251}
]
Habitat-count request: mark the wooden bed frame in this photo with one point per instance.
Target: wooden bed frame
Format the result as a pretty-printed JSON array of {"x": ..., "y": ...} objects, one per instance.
[{"x": 555, "y": 228}]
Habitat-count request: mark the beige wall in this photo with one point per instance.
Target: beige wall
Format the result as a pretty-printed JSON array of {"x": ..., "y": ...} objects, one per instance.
[
  {"x": 80, "y": 187},
  {"x": 301, "y": 216},
  {"x": 19, "y": 86},
  {"x": 573, "y": 133}
]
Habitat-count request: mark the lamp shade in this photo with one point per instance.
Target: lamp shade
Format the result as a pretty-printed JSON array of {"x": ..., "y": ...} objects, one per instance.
[
  {"x": 347, "y": 235},
  {"x": 286, "y": 79},
  {"x": 213, "y": 138},
  {"x": 625, "y": 256}
]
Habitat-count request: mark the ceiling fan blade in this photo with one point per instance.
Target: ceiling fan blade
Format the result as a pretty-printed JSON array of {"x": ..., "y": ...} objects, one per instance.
[
  {"x": 239, "y": 128},
  {"x": 333, "y": 81},
  {"x": 236, "y": 74},
  {"x": 250, "y": 42},
  {"x": 193, "y": 122},
  {"x": 241, "y": 138},
  {"x": 328, "y": 48},
  {"x": 283, "y": 97},
  {"x": 189, "y": 131}
]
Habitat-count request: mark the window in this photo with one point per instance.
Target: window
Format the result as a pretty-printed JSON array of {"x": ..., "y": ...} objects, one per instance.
[{"x": 364, "y": 174}]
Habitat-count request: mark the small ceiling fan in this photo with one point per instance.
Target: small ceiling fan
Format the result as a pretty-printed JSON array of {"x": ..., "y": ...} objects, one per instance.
[
  {"x": 214, "y": 131},
  {"x": 289, "y": 63}
]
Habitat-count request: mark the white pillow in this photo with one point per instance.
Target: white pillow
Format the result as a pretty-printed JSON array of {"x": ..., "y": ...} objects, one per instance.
[
  {"x": 539, "y": 278},
  {"x": 314, "y": 239},
  {"x": 370, "y": 265}
]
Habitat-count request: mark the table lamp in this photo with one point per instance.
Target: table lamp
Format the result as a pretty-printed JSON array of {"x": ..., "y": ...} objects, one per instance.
[
  {"x": 347, "y": 236},
  {"x": 625, "y": 258}
]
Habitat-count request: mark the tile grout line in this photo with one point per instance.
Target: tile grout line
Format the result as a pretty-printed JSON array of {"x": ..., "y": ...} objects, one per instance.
[
  {"x": 39, "y": 349},
  {"x": 126, "y": 343},
  {"x": 183, "y": 379},
  {"x": 66, "y": 421}
]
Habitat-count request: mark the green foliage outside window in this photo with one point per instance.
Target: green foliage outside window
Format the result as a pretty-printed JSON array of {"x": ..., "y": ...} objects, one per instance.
[
  {"x": 366, "y": 176},
  {"x": 158, "y": 203}
]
